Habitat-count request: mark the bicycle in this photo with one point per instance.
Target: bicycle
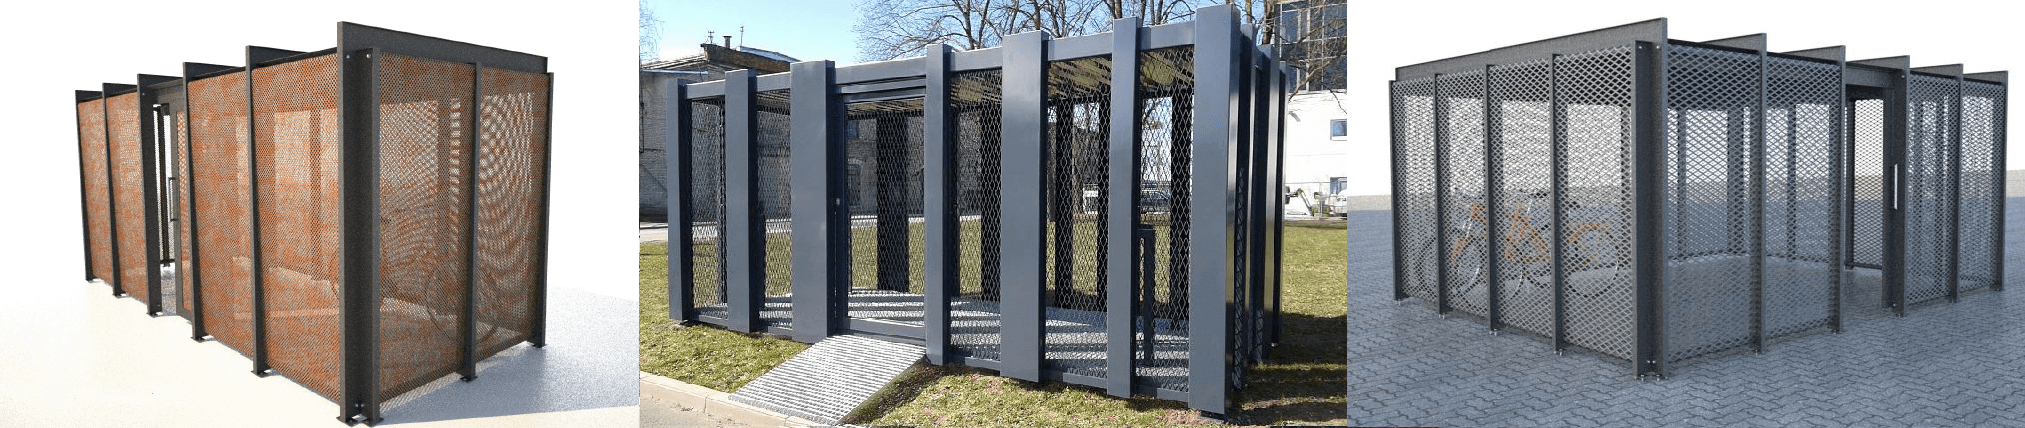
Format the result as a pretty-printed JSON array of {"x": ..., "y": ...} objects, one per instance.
[{"x": 1525, "y": 246}]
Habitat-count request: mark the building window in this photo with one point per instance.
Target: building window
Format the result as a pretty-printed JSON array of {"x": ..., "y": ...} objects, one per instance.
[{"x": 1339, "y": 129}]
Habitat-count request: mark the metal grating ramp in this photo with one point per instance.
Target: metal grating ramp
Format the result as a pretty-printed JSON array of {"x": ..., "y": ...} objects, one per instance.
[{"x": 828, "y": 380}]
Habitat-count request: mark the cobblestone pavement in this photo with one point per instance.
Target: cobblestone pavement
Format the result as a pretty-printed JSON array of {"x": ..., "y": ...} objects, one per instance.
[{"x": 1944, "y": 365}]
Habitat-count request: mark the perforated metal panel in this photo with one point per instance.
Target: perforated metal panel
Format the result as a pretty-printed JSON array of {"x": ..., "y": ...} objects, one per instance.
[
  {"x": 776, "y": 197},
  {"x": 298, "y": 164},
  {"x": 425, "y": 142},
  {"x": 221, "y": 156},
  {"x": 1982, "y": 183},
  {"x": 1596, "y": 134},
  {"x": 1413, "y": 140},
  {"x": 1523, "y": 145},
  {"x": 1712, "y": 113},
  {"x": 123, "y": 131},
  {"x": 1929, "y": 192},
  {"x": 1464, "y": 216},
  {"x": 91, "y": 136},
  {"x": 1803, "y": 124},
  {"x": 1866, "y": 183},
  {"x": 706, "y": 203},
  {"x": 513, "y": 139}
]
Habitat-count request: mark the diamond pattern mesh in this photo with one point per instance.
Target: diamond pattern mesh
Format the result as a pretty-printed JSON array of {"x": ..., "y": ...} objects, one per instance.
[
  {"x": 1982, "y": 134},
  {"x": 1468, "y": 256},
  {"x": 1077, "y": 108},
  {"x": 883, "y": 187},
  {"x": 1712, "y": 103},
  {"x": 1596, "y": 96},
  {"x": 974, "y": 101},
  {"x": 1866, "y": 187},
  {"x": 706, "y": 201},
  {"x": 124, "y": 132},
  {"x": 513, "y": 136},
  {"x": 1520, "y": 97},
  {"x": 425, "y": 142},
  {"x": 220, "y": 157},
  {"x": 1802, "y": 134},
  {"x": 298, "y": 162},
  {"x": 1929, "y": 187},
  {"x": 1413, "y": 136},
  {"x": 91, "y": 133},
  {"x": 1166, "y": 94},
  {"x": 775, "y": 195}
]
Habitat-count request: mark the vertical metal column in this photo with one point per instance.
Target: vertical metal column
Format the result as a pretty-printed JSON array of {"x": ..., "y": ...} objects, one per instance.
[
  {"x": 196, "y": 283},
  {"x": 1493, "y": 241},
  {"x": 1399, "y": 197},
  {"x": 1954, "y": 278},
  {"x": 83, "y": 177},
  {"x": 1022, "y": 198},
  {"x": 1648, "y": 165},
  {"x": 815, "y": 202},
  {"x": 111, "y": 201},
  {"x": 744, "y": 256},
  {"x": 681, "y": 250},
  {"x": 938, "y": 195},
  {"x": 1122, "y": 209},
  {"x": 1212, "y": 164},
  {"x": 1895, "y": 116},
  {"x": 1557, "y": 154},
  {"x": 1277, "y": 154},
  {"x": 260, "y": 366},
  {"x": 1757, "y": 174},
  {"x": 1441, "y": 257},
  {"x": 360, "y": 301},
  {"x": 467, "y": 368},
  {"x": 538, "y": 330},
  {"x": 151, "y": 212},
  {"x": 1997, "y": 166}
]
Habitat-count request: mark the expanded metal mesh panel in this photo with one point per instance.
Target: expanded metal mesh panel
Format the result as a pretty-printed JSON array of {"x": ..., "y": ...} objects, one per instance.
[
  {"x": 1803, "y": 123},
  {"x": 883, "y": 191},
  {"x": 298, "y": 165},
  {"x": 185, "y": 254},
  {"x": 512, "y": 138},
  {"x": 123, "y": 129},
  {"x": 1077, "y": 108},
  {"x": 1413, "y": 146},
  {"x": 706, "y": 200},
  {"x": 1928, "y": 200},
  {"x": 1463, "y": 218},
  {"x": 776, "y": 193},
  {"x": 1166, "y": 92},
  {"x": 1595, "y": 123},
  {"x": 1866, "y": 183},
  {"x": 97, "y": 203},
  {"x": 1522, "y": 131},
  {"x": 1712, "y": 105},
  {"x": 220, "y": 158},
  {"x": 1982, "y": 137},
  {"x": 425, "y": 109},
  {"x": 974, "y": 101}
]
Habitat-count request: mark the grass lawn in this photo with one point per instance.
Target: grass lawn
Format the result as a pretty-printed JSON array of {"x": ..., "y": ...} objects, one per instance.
[{"x": 1303, "y": 385}]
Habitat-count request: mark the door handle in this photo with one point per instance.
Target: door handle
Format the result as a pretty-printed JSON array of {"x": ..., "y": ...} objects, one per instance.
[{"x": 1896, "y": 190}]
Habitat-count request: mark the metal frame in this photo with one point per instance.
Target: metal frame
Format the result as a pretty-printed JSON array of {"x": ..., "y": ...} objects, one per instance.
[
  {"x": 360, "y": 48},
  {"x": 1654, "y": 251},
  {"x": 1235, "y": 166}
]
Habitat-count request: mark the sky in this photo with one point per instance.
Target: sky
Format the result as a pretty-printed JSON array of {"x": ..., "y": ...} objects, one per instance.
[{"x": 804, "y": 29}]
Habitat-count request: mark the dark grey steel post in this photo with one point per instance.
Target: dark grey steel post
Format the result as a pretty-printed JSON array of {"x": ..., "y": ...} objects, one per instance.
[
  {"x": 681, "y": 250},
  {"x": 1648, "y": 164},
  {"x": 111, "y": 200},
  {"x": 938, "y": 178},
  {"x": 467, "y": 368},
  {"x": 1842, "y": 158},
  {"x": 2000, "y": 107},
  {"x": 1399, "y": 207},
  {"x": 1021, "y": 198},
  {"x": 151, "y": 213},
  {"x": 83, "y": 177},
  {"x": 1493, "y": 184},
  {"x": 1757, "y": 174},
  {"x": 538, "y": 330},
  {"x": 815, "y": 201},
  {"x": 1211, "y": 166},
  {"x": 744, "y": 254},
  {"x": 359, "y": 303},
  {"x": 1954, "y": 278},
  {"x": 1557, "y": 155},
  {"x": 253, "y": 213},
  {"x": 1441, "y": 257},
  {"x": 196, "y": 282},
  {"x": 1122, "y": 208},
  {"x": 1278, "y": 155},
  {"x": 1895, "y": 116}
]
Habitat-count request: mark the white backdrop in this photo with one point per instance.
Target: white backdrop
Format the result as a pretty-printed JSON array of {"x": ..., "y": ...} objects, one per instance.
[
  {"x": 58, "y": 47},
  {"x": 1387, "y": 35}
]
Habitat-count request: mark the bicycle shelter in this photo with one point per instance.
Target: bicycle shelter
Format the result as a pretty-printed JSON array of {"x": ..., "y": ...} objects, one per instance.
[{"x": 1660, "y": 201}]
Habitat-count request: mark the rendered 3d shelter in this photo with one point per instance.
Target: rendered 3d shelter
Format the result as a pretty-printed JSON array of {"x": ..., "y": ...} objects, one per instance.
[
  {"x": 363, "y": 219},
  {"x": 1659, "y": 200}
]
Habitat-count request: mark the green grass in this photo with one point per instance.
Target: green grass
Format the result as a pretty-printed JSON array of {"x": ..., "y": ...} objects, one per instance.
[{"x": 1304, "y": 384}]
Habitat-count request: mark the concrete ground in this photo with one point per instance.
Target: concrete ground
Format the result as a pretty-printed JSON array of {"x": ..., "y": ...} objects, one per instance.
[
  {"x": 658, "y": 413},
  {"x": 76, "y": 356}
]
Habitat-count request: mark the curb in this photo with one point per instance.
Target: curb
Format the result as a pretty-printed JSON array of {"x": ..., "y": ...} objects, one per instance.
[{"x": 714, "y": 403}]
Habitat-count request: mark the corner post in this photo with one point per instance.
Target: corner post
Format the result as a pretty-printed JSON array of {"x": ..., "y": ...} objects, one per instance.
[
  {"x": 151, "y": 213},
  {"x": 1122, "y": 211},
  {"x": 816, "y": 202},
  {"x": 744, "y": 257},
  {"x": 939, "y": 193},
  {"x": 260, "y": 366},
  {"x": 1648, "y": 158},
  {"x": 681, "y": 250},
  {"x": 1212, "y": 167},
  {"x": 1557, "y": 155},
  {"x": 359, "y": 303},
  {"x": 467, "y": 367}
]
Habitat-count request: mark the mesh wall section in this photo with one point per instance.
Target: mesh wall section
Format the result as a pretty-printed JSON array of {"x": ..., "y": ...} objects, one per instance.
[
  {"x": 425, "y": 109},
  {"x": 1523, "y": 147},
  {"x": 513, "y": 138},
  {"x": 1866, "y": 183},
  {"x": 298, "y": 159},
  {"x": 653, "y": 137},
  {"x": 883, "y": 190},
  {"x": 97, "y": 204},
  {"x": 706, "y": 205},
  {"x": 1461, "y": 98},
  {"x": 974, "y": 318},
  {"x": 1928, "y": 202},
  {"x": 1596, "y": 130},
  {"x": 1712, "y": 102},
  {"x": 1167, "y": 95},
  {"x": 185, "y": 255},
  {"x": 776, "y": 195},
  {"x": 1413, "y": 146},
  {"x": 220, "y": 158},
  {"x": 1077, "y": 109},
  {"x": 1802, "y": 126},
  {"x": 123, "y": 129},
  {"x": 1982, "y": 134}
]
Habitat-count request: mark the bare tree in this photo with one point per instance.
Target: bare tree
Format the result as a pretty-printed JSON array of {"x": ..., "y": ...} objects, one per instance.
[{"x": 650, "y": 33}]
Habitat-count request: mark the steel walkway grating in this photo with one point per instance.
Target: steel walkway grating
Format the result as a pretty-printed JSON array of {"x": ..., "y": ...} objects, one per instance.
[{"x": 828, "y": 380}]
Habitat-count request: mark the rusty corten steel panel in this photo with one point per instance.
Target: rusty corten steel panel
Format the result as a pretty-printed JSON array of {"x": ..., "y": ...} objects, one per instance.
[
  {"x": 299, "y": 167},
  {"x": 98, "y": 210},
  {"x": 124, "y": 132},
  {"x": 183, "y": 249},
  {"x": 513, "y": 133},
  {"x": 425, "y": 130},
  {"x": 223, "y": 205}
]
